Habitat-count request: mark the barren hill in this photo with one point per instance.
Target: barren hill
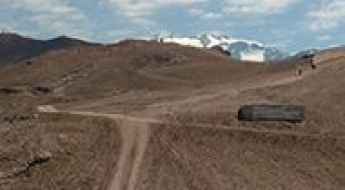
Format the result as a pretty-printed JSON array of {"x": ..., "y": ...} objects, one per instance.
[
  {"x": 145, "y": 115},
  {"x": 129, "y": 65}
]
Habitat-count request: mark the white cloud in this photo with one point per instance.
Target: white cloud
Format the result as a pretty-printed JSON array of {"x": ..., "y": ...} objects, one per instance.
[
  {"x": 324, "y": 37},
  {"x": 329, "y": 15},
  {"x": 53, "y": 16},
  {"x": 211, "y": 15},
  {"x": 255, "y": 7},
  {"x": 57, "y": 7},
  {"x": 197, "y": 12},
  {"x": 138, "y": 9}
]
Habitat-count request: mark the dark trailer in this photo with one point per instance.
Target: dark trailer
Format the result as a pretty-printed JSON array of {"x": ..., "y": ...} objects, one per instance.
[{"x": 287, "y": 113}]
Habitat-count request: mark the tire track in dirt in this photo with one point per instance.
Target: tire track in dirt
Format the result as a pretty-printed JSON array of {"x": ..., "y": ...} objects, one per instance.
[
  {"x": 141, "y": 142},
  {"x": 128, "y": 135},
  {"x": 218, "y": 93},
  {"x": 135, "y": 136}
]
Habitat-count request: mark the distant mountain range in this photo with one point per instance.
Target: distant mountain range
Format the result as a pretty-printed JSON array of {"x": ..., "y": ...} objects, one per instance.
[
  {"x": 241, "y": 49},
  {"x": 15, "y": 48}
]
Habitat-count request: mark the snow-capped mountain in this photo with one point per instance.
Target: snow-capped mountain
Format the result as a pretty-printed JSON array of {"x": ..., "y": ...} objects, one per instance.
[
  {"x": 239, "y": 48},
  {"x": 306, "y": 52}
]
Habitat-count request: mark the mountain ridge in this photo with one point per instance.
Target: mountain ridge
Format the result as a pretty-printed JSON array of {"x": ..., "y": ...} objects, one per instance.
[{"x": 15, "y": 48}]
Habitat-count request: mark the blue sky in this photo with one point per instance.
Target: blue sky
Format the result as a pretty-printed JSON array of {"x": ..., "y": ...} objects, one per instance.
[{"x": 291, "y": 25}]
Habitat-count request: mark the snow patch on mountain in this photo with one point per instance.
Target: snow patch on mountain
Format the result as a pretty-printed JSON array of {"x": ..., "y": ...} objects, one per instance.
[
  {"x": 246, "y": 50},
  {"x": 257, "y": 56},
  {"x": 184, "y": 41}
]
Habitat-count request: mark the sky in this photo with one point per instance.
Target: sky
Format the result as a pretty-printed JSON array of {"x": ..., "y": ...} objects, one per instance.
[{"x": 291, "y": 25}]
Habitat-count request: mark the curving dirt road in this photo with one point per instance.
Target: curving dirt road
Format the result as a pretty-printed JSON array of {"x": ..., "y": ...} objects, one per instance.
[{"x": 135, "y": 134}]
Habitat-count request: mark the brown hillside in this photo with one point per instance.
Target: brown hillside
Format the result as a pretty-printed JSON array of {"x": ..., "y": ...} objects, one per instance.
[
  {"x": 126, "y": 66},
  {"x": 144, "y": 115}
]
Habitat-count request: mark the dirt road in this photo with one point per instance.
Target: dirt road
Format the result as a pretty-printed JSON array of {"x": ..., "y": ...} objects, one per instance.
[
  {"x": 135, "y": 137},
  {"x": 135, "y": 134}
]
